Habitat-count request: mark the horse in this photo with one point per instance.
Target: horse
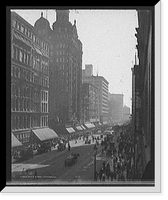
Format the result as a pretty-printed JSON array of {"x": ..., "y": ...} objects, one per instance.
[{"x": 75, "y": 155}]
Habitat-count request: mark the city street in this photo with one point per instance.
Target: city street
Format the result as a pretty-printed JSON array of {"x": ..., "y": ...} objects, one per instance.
[{"x": 50, "y": 166}]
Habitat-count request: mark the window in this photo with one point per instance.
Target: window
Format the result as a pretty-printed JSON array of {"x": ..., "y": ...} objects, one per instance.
[
  {"x": 11, "y": 71},
  {"x": 28, "y": 59},
  {"x": 24, "y": 57},
  {"x": 20, "y": 55},
  {"x": 22, "y": 29},
  {"x": 29, "y": 34},
  {"x": 18, "y": 26},
  {"x": 14, "y": 23},
  {"x": 26, "y": 31},
  {"x": 34, "y": 38},
  {"x": 17, "y": 123}
]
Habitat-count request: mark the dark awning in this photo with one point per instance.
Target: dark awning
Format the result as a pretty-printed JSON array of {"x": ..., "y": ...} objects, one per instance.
[
  {"x": 15, "y": 142},
  {"x": 45, "y": 134}
]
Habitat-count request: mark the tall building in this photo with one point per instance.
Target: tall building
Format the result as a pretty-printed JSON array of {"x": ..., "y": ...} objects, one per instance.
[
  {"x": 126, "y": 113},
  {"x": 143, "y": 97},
  {"x": 89, "y": 70},
  {"x": 90, "y": 103},
  {"x": 29, "y": 79},
  {"x": 102, "y": 84},
  {"x": 65, "y": 67},
  {"x": 116, "y": 107}
]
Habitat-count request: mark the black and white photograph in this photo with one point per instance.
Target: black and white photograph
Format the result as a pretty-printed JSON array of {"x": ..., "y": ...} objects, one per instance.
[{"x": 82, "y": 98}]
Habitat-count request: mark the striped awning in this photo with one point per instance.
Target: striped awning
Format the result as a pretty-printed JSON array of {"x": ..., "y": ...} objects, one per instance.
[
  {"x": 70, "y": 130},
  {"x": 21, "y": 38},
  {"x": 83, "y": 127},
  {"x": 89, "y": 125},
  {"x": 37, "y": 50},
  {"x": 79, "y": 128},
  {"x": 15, "y": 141},
  {"x": 45, "y": 134}
]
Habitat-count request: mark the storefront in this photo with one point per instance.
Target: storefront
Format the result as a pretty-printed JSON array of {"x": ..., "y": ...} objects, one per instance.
[
  {"x": 89, "y": 125},
  {"x": 15, "y": 142},
  {"x": 23, "y": 136},
  {"x": 44, "y": 134},
  {"x": 16, "y": 146},
  {"x": 70, "y": 130}
]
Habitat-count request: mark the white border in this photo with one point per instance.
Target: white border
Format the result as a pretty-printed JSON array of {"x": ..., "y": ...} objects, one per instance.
[{"x": 117, "y": 189}]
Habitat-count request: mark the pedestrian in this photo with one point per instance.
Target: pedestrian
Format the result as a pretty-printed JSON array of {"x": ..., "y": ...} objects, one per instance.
[
  {"x": 103, "y": 177},
  {"x": 69, "y": 147},
  {"x": 35, "y": 173},
  {"x": 104, "y": 166},
  {"x": 114, "y": 175},
  {"x": 97, "y": 174},
  {"x": 100, "y": 174},
  {"x": 111, "y": 175},
  {"x": 107, "y": 171}
]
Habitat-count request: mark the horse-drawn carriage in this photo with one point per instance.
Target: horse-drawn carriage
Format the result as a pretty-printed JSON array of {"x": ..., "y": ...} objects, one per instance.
[
  {"x": 24, "y": 154},
  {"x": 44, "y": 147},
  {"x": 71, "y": 159},
  {"x": 61, "y": 146}
]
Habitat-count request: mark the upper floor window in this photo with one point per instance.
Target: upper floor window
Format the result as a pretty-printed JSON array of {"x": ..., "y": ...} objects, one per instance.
[
  {"x": 18, "y": 26},
  {"x": 22, "y": 29},
  {"x": 34, "y": 38},
  {"x": 14, "y": 23}
]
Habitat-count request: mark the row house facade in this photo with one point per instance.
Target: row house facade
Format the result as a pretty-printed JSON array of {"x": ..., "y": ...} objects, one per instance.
[{"x": 29, "y": 79}]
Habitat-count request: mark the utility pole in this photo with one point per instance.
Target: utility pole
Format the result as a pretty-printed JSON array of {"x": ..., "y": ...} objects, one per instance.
[{"x": 95, "y": 153}]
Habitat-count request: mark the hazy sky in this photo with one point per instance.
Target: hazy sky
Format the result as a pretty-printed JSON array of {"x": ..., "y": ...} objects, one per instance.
[{"x": 108, "y": 38}]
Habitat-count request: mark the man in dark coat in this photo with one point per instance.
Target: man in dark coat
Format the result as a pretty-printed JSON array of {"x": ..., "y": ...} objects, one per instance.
[{"x": 69, "y": 147}]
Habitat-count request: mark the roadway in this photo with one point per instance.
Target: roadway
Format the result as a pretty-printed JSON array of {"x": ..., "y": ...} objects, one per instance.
[
  {"x": 51, "y": 169},
  {"x": 50, "y": 166}
]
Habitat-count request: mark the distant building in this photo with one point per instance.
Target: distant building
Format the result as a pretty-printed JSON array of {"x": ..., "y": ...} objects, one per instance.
[
  {"x": 116, "y": 107},
  {"x": 102, "y": 84},
  {"x": 65, "y": 67},
  {"x": 89, "y": 70},
  {"x": 89, "y": 103},
  {"x": 29, "y": 79},
  {"x": 126, "y": 113}
]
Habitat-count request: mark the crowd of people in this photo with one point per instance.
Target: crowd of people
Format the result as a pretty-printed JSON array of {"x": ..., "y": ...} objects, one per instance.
[{"x": 119, "y": 162}]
